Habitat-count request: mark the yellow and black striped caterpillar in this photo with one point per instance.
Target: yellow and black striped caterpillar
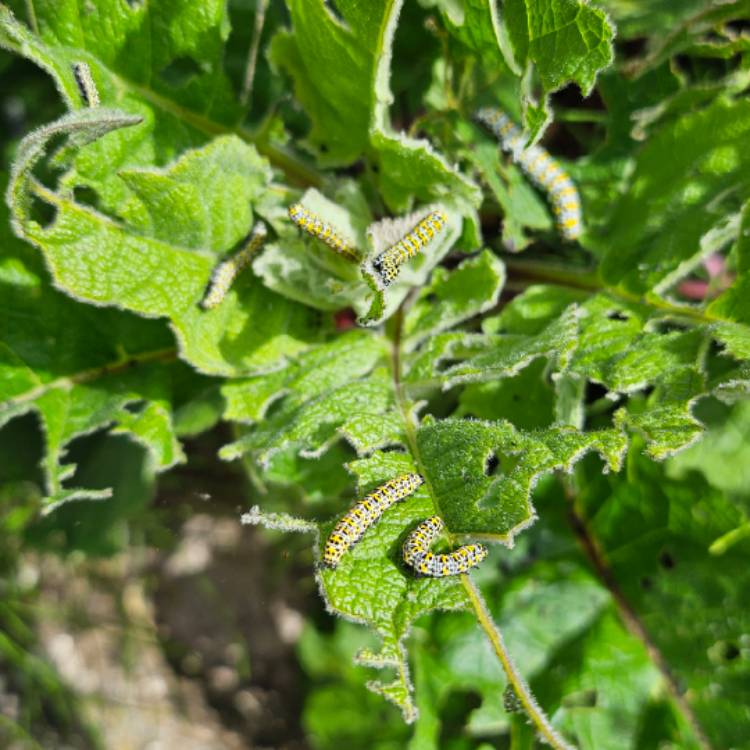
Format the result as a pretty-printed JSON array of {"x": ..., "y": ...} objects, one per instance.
[
  {"x": 225, "y": 273},
  {"x": 389, "y": 262},
  {"x": 543, "y": 170},
  {"x": 352, "y": 526},
  {"x": 86, "y": 85},
  {"x": 314, "y": 225},
  {"x": 417, "y": 554}
]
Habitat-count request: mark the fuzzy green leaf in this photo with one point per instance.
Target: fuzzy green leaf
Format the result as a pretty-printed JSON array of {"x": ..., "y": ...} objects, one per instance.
[
  {"x": 564, "y": 40},
  {"x": 143, "y": 267},
  {"x": 80, "y": 370}
]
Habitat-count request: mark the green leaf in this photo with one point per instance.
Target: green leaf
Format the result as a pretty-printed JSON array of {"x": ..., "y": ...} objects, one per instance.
[
  {"x": 564, "y": 40},
  {"x": 349, "y": 124},
  {"x": 477, "y": 24},
  {"x": 485, "y": 488},
  {"x": 142, "y": 266},
  {"x": 80, "y": 370},
  {"x": 682, "y": 200},
  {"x": 655, "y": 534},
  {"x": 506, "y": 355},
  {"x": 451, "y": 298},
  {"x": 321, "y": 42}
]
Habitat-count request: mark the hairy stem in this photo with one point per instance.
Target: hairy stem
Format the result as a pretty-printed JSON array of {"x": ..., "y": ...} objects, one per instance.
[
  {"x": 515, "y": 679},
  {"x": 520, "y": 686},
  {"x": 632, "y": 621}
]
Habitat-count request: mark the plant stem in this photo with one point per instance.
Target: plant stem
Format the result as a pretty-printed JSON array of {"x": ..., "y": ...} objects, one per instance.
[
  {"x": 252, "y": 55},
  {"x": 584, "y": 280},
  {"x": 520, "y": 686},
  {"x": 631, "y": 620}
]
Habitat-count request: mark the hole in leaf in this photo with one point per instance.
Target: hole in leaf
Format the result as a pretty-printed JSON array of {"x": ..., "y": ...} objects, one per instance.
[
  {"x": 738, "y": 25},
  {"x": 323, "y": 148},
  {"x": 392, "y": 449},
  {"x": 491, "y": 465},
  {"x": 180, "y": 71},
  {"x": 723, "y": 652},
  {"x": 43, "y": 213},
  {"x": 447, "y": 363},
  {"x": 666, "y": 560},
  {"x": 86, "y": 196},
  {"x": 646, "y": 583},
  {"x": 135, "y": 407},
  {"x": 595, "y": 396},
  {"x": 617, "y": 315}
]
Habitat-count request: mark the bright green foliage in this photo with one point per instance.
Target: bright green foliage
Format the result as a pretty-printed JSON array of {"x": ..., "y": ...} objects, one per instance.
[
  {"x": 553, "y": 395},
  {"x": 564, "y": 40}
]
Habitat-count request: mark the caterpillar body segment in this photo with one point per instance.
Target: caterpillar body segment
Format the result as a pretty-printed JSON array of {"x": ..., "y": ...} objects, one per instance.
[
  {"x": 309, "y": 222},
  {"x": 353, "y": 525},
  {"x": 543, "y": 170},
  {"x": 86, "y": 86},
  {"x": 420, "y": 540},
  {"x": 417, "y": 554},
  {"x": 388, "y": 264},
  {"x": 225, "y": 273}
]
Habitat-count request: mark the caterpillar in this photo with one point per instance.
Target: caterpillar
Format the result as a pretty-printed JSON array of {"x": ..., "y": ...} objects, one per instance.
[
  {"x": 416, "y": 552},
  {"x": 389, "y": 262},
  {"x": 543, "y": 170},
  {"x": 225, "y": 273},
  {"x": 86, "y": 85},
  {"x": 314, "y": 225},
  {"x": 352, "y": 526}
]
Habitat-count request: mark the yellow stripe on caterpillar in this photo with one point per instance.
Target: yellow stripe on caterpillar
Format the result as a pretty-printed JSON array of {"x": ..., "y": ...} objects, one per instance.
[
  {"x": 538, "y": 165},
  {"x": 352, "y": 526},
  {"x": 388, "y": 264},
  {"x": 316, "y": 227},
  {"x": 417, "y": 554}
]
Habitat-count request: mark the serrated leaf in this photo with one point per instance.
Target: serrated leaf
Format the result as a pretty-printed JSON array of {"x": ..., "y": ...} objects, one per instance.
[
  {"x": 473, "y": 498},
  {"x": 326, "y": 389},
  {"x": 106, "y": 262},
  {"x": 349, "y": 124},
  {"x": 453, "y": 297},
  {"x": 564, "y": 40},
  {"x": 80, "y": 370},
  {"x": 506, "y": 355}
]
